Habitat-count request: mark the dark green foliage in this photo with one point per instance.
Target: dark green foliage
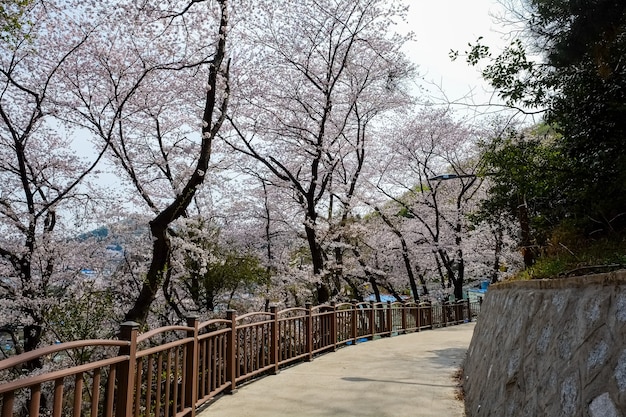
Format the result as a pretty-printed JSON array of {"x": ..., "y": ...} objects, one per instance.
[
  {"x": 575, "y": 31},
  {"x": 213, "y": 273},
  {"x": 82, "y": 317},
  {"x": 521, "y": 167},
  {"x": 524, "y": 171},
  {"x": 224, "y": 276},
  {"x": 603, "y": 255},
  {"x": 12, "y": 17},
  {"x": 581, "y": 84},
  {"x": 590, "y": 104},
  {"x": 517, "y": 79},
  {"x": 406, "y": 213}
]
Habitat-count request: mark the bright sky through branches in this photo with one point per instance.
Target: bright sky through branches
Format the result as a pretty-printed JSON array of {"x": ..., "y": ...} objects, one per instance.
[{"x": 442, "y": 25}]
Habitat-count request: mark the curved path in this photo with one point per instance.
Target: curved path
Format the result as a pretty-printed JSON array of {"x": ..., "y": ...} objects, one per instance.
[{"x": 408, "y": 375}]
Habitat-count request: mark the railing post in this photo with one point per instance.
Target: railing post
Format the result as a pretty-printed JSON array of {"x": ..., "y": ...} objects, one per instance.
[
  {"x": 389, "y": 318},
  {"x": 418, "y": 316},
  {"x": 191, "y": 365},
  {"x": 309, "y": 331},
  {"x": 452, "y": 317},
  {"x": 404, "y": 325},
  {"x": 469, "y": 310},
  {"x": 429, "y": 314},
  {"x": 372, "y": 318},
  {"x": 454, "y": 313},
  {"x": 231, "y": 353},
  {"x": 444, "y": 309},
  {"x": 333, "y": 326},
  {"x": 126, "y": 370},
  {"x": 274, "y": 339},
  {"x": 353, "y": 322}
]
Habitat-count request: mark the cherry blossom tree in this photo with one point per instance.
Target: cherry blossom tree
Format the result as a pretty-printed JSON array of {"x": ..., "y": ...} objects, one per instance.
[
  {"x": 260, "y": 213},
  {"x": 432, "y": 148},
  {"x": 269, "y": 220},
  {"x": 317, "y": 117},
  {"x": 210, "y": 269},
  {"x": 312, "y": 89},
  {"x": 409, "y": 265},
  {"x": 154, "y": 89},
  {"x": 492, "y": 251},
  {"x": 40, "y": 172}
]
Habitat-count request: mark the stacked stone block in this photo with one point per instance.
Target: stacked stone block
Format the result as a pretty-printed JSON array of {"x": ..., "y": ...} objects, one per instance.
[{"x": 550, "y": 348}]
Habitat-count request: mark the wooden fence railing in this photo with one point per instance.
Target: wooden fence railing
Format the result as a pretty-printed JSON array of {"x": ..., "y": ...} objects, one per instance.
[{"x": 173, "y": 370}]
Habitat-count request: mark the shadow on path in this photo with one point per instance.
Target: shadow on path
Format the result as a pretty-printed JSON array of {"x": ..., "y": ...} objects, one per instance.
[
  {"x": 386, "y": 381},
  {"x": 446, "y": 357}
]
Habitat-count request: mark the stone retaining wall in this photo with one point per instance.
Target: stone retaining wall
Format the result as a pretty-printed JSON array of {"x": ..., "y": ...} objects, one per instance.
[{"x": 550, "y": 348}]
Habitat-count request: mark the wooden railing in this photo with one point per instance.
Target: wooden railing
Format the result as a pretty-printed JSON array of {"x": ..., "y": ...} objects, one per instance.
[{"x": 173, "y": 370}]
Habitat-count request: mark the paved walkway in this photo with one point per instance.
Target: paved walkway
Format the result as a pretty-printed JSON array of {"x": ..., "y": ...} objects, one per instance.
[{"x": 408, "y": 375}]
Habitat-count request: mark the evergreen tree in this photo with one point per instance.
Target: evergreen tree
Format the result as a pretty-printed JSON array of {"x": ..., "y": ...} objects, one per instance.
[{"x": 581, "y": 83}]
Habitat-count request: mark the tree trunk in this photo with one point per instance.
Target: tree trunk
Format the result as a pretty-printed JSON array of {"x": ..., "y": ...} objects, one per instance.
[
  {"x": 317, "y": 257},
  {"x": 422, "y": 280},
  {"x": 524, "y": 221},
  {"x": 374, "y": 285},
  {"x": 32, "y": 337},
  {"x": 460, "y": 276},
  {"x": 458, "y": 289},
  {"x": 160, "y": 260},
  {"x": 158, "y": 226},
  {"x": 496, "y": 258},
  {"x": 405, "y": 254}
]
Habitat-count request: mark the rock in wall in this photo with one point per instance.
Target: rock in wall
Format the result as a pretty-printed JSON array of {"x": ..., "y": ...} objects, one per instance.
[{"x": 550, "y": 348}]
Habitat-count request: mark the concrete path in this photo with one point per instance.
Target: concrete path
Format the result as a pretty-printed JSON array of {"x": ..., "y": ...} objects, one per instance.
[{"x": 407, "y": 375}]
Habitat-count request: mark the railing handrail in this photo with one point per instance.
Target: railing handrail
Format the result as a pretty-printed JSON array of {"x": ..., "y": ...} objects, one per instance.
[
  {"x": 303, "y": 310},
  {"x": 207, "y": 323},
  {"x": 151, "y": 333},
  {"x": 323, "y": 308},
  {"x": 255, "y": 313},
  {"x": 53, "y": 375},
  {"x": 58, "y": 347},
  {"x": 190, "y": 368}
]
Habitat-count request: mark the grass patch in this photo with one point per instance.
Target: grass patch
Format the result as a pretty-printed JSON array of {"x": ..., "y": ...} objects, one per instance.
[
  {"x": 457, "y": 377},
  {"x": 578, "y": 258}
]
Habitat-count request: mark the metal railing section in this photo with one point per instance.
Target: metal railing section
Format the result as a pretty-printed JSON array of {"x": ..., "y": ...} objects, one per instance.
[{"x": 173, "y": 370}]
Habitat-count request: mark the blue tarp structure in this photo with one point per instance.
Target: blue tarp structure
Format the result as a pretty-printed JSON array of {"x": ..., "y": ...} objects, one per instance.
[
  {"x": 383, "y": 298},
  {"x": 475, "y": 293}
]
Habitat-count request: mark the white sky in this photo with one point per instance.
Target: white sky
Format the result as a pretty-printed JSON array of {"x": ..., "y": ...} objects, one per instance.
[{"x": 442, "y": 25}]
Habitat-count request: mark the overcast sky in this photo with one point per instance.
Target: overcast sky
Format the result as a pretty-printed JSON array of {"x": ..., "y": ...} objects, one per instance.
[{"x": 442, "y": 25}]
